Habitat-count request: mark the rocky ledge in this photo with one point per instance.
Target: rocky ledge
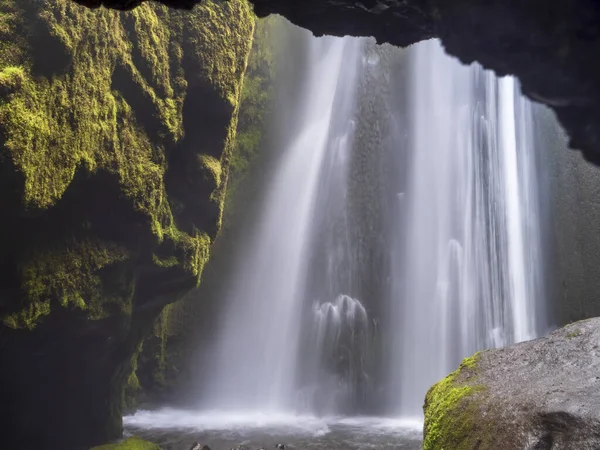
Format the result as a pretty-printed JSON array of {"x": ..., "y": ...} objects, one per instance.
[
  {"x": 551, "y": 46},
  {"x": 538, "y": 395}
]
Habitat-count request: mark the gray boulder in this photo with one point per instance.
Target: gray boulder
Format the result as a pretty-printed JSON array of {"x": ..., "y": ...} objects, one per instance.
[
  {"x": 198, "y": 446},
  {"x": 538, "y": 395}
]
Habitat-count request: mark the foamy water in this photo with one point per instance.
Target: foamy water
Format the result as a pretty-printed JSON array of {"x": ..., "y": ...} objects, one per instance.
[{"x": 177, "y": 429}]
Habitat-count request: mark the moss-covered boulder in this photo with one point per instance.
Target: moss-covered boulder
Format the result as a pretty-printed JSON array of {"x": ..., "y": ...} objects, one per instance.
[
  {"x": 116, "y": 132},
  {"x": 449, "y": 405},
  {"x": 537, "y": 395},
  {"x": 132, "y": 443}
]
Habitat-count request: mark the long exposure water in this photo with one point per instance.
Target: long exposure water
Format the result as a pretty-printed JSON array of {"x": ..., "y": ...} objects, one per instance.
[
  {"x": 257, "y": 350},
  {"x": 470, "y": 268},
  {"x": 399, "y": 233}
]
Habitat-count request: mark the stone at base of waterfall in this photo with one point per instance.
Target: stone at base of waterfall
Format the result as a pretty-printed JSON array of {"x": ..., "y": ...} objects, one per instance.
[
  {"x": 245, "y": 447},
  {"x": 198, "y": 446},
  {"x": 538, "y": 395}
]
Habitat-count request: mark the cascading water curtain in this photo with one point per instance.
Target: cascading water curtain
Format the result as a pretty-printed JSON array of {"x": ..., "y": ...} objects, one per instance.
[
  {"x": 399, "y": 232},
  {"x": 465, "y": 268},
  {"x": 469, "y": 274},
  {"x": 256, "y": 357}
]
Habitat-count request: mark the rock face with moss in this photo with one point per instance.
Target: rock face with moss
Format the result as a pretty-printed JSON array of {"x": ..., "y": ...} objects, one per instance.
[
  {"x": 129, "y": 444},
  {"x": 116, "y": 132},
  {"x": 502, "y": 35},
  {"x": 167, "y": 364},
  {"x": 537, "y": 395}
]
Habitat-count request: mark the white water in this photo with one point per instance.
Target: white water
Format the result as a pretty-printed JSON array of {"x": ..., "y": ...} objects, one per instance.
[
  {"x": 256, "y": 354},
  {"x": 297, "y": 346},
  {"x": 169, "y": 418},
  {"x": 177, "y": 429},
  {"x": 341, "y": 329},
  {"x": 469, "y": 275}
]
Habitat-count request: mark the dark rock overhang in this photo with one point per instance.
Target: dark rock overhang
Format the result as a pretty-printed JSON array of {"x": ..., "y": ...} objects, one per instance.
[{"x": 552, "y": 46}]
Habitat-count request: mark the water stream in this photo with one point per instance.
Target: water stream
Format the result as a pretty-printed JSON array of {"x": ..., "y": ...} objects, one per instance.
[
  {"x": 256, "y": 353},
  {"x": 399, "y": 233},
  {"x": 468, "y": 264}
]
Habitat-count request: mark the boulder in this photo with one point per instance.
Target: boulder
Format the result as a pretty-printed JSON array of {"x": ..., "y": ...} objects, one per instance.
[
  {"x": 198, "y": 446},
  {"x": 538, "y": 395}
]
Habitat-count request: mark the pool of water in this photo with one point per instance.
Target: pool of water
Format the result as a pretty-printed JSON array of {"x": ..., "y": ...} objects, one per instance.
[{"x": 177, "y": 429}]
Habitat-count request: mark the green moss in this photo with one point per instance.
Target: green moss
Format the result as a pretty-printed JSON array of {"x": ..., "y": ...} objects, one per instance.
[
  {"x": 108, "y": 215},
  {"x": 574, "y": 330},
  {"x": 225, "y": 71},
  {"x": 217, "y": 45},
  {"x": 11, "y": 41},
  {"x": 212, "y": 167},
  {"x": 47, "y": 144},
  {"x": 213, "y": 53},
  {"x": 132, "y": 443},
  {"x": 82, "y": 117},
  {"x": 28, "y": 316},
  {"x": 448, "y": 417},
  {"x": 133, "y": 383},
  {"x": 166, "y": 262},
  {"x": 255, "y": 106},
  {"x": 574, "y": 334},
  {"x": 166, "y": 326},
  {"x": 68, "y": 274},
  {"x": 11, "y": 79},
  {"x": 192, "y": 252},
  {"x": 132, "y": 386}
]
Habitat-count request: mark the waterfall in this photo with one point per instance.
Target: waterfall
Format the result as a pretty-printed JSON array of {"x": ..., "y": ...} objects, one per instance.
[
  {"x": 256, "y": 363},
  {"x": 399, "y": 232},
  {"x": 467, "y": 265},
  {"x": 341, "y": 338},
  {"x": 400, "y": 229}
]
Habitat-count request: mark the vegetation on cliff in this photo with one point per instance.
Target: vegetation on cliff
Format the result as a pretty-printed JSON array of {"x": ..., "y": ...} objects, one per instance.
[
  {"x": 106, "y": 93},
  {"x": 448, "y": 419},
  {"x": 167, "y": 349},
  {"x": 132, "y": 443},
  {"x": 116, "y": 136},
  {"x": 257, "y": 93}
]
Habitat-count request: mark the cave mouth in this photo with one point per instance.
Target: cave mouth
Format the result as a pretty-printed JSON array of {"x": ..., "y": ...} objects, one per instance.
[
  {"x": 550, "y": 48},
  {"x": 479, "y": 233},
  {"x": 390, "y": 239}
]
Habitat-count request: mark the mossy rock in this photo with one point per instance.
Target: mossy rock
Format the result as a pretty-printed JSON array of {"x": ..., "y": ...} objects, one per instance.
[
  {"x": 116, "y": 135},
  {"x": 117, "y": 108},
  {"x": 540, "y": 394},
  {"x": 166, "y": 352},
  {"x": 132, "y": 443},
  {"x": 449, "y": 417}
]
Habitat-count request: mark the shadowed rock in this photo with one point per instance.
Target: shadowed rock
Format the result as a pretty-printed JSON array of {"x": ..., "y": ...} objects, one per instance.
[
  {"x": 114, "y": 158},
  {"x": 550, "y": 46}
]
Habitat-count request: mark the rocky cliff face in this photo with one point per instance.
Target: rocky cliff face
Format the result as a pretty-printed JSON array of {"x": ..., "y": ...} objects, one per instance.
[
  {"x": 550, "y": 46},
  {"x": 537, "y": 395},
  {"x": 575, "y": 215},
  {"x": 116, "y": 132},
  {"x": 170, "y": 363}
]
